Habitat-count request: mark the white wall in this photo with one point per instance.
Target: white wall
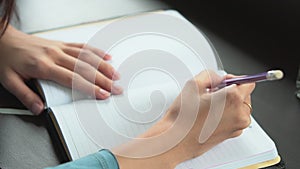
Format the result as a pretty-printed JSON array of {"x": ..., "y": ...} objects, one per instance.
[{"x": 40, "y": 15}]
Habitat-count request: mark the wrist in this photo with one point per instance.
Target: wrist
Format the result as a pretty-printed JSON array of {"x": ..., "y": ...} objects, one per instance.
[
  {"x": 138, "y": 152},
  {"x": 155, "y": 162},
  {"x": 141, "y": 152},
  {"x": 12, "y": 33}
]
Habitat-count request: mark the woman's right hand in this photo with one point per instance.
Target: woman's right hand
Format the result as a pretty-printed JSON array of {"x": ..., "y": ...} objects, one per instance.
[{"x": 227, "y": 103}]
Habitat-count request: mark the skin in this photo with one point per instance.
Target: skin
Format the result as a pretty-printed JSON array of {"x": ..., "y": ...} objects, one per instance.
[
  {"x": 235, "y": 118},
  {"x": 24, "y": 57}
]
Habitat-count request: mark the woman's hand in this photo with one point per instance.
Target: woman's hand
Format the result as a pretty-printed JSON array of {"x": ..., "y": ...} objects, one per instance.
[
  {"x": 23, "y": 57},
  {"x": 228, "y": 103}
]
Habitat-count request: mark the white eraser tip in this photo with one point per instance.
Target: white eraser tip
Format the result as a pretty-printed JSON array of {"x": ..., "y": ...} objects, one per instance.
[{"x": 276, "y": 74}]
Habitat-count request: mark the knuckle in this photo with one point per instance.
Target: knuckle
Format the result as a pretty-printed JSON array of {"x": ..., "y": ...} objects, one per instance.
[
  {"x": 85, "y": 53},
  {"x": 247, "y": 122},
  {"x": 37, "y": 66},
  {"x": 51, "y": 71},
  {"x": 43, "y": 67},
  {"x": 72, "y": 79},
  {"x": 194, "y": 86},
  {"x": 204, "y": 73},
  {"x": 242, "y": 121},
  {"x": 33, "y": 62},
  {"x": 236, "y": 133},
  {"x": 51, "y": 50},
  {"x": 191, "y": 82},
  {"x": 234, "y": 95},
  {"x": 103, "y": 65},
  {"x": 84, "y": 67}
]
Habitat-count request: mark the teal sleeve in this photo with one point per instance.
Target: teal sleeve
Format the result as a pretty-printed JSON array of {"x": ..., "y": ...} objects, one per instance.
[{"x": 103, "y": 159}]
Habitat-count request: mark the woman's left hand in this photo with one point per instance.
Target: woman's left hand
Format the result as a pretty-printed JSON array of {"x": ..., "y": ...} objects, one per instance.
[{"x": 23, "y": 57}]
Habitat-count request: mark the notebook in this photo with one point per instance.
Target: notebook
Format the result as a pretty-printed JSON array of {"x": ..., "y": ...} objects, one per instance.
[{"x": 85, "y": 125}]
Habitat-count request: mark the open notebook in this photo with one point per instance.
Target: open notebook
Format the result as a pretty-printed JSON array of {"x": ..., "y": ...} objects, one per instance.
[{"x": 84, "y": 125}]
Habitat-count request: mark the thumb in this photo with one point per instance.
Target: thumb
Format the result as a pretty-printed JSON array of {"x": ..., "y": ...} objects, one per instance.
[{"x": 17, "y": 87}]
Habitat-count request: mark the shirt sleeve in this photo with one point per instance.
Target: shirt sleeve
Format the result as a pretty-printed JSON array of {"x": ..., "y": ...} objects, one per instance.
[{"x": 103, "y": 159}]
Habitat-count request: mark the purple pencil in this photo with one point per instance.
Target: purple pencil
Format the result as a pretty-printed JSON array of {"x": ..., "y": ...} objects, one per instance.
[{"x": 270, "y": 75}]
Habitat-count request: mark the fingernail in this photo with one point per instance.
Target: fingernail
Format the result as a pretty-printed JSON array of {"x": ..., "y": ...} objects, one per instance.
[
  {"x": 116, "y": 89},
  {"x": 116, "y": 75},
  {"x": 104, "y": 93},
  {"x": 107, "y": 57},
  {"x": 36, "y": 108}
]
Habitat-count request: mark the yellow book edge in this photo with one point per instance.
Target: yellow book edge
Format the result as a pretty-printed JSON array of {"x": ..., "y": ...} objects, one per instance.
[{"x": 264, "y": 164}]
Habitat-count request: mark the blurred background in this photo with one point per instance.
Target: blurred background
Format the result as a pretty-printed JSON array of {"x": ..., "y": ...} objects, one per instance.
[{"x": 268, "y": 30}]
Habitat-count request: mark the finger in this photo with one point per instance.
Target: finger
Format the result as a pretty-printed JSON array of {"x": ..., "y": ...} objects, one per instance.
[
  {"x": 108, "y": 70},
  {"x": 230, "y": 76},
  {"x": 208, "y": 79},
  {"x": 74, "y": 80},
  {"x": 72, "y": 51},
  {"x": 17, "y": 87},
  {"x": 89, "y": 73},
  {"x": 97, "y": 62},
  {"x": 97, "y": 51},
  {"x": 246, "y": 89},
  {"x": 248, "y": 105}
]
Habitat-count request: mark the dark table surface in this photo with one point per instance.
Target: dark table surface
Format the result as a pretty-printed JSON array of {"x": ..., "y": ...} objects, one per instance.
[{"x": 252, "y": 37}]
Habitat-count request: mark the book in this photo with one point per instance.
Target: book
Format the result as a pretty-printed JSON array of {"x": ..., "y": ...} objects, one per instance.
[{"x": 84, "y": 125}]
